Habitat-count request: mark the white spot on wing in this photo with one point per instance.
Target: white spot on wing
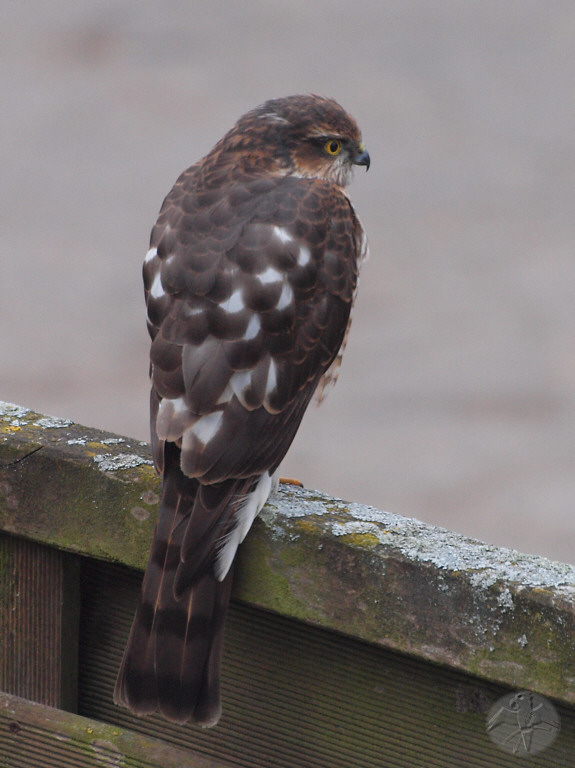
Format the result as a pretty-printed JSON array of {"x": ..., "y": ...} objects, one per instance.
[
  {"x": 253, "y": 328},
  {"x": 282, "y": 234},
  {"x": 286, "y": 297},
  {"x": 150, "y": 255},
  {"x": 271, "y": 382},
  {"x": 235, "y": 303},
  {"x": 271, "y": 275},
  {"x": 157, "y": 289},
  {"x": 303, "y": 256},
  {"x": 207, "y": 426}
]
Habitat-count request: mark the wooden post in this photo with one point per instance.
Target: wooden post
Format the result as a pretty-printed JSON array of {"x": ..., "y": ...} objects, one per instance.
[{"x": 38, "y": 623}]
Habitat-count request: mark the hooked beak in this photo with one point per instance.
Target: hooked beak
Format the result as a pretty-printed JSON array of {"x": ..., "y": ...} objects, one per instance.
[{"x": 362, "y": 157}]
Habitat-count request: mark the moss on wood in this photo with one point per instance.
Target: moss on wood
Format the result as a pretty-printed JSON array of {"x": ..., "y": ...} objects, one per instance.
[{"x": 386, "y": 579}]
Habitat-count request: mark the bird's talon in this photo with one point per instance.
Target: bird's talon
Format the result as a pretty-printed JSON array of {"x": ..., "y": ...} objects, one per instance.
[{"x": 291, "y": 481}]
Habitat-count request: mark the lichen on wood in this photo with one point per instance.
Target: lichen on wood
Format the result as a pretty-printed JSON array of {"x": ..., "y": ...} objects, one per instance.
[{"x": 389, "y": 580}]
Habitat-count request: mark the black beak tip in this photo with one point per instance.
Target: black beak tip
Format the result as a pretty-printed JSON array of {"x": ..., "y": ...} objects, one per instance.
[{"x": 362, "y": 159}]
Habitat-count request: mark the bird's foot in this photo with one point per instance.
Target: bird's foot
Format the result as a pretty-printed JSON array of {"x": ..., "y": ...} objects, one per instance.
[{"x": 291, "y": 481}]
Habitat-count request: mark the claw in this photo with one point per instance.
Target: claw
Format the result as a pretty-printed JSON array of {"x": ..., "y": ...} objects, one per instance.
[{"x": 291, "y": 481}]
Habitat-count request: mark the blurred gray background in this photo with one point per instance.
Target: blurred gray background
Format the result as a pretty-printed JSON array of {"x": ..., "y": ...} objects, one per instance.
[{"x": 456, "y": 399}]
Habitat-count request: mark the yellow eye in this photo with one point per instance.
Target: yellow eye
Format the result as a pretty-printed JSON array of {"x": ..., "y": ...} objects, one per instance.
[{"x": 332, "y": 147}]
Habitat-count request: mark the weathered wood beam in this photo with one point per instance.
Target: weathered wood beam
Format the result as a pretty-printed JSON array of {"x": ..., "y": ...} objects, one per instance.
[{"x": 392, "y": 581}]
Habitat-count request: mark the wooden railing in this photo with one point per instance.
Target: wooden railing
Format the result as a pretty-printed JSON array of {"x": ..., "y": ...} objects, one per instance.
[{"x": 355, "y": 638}]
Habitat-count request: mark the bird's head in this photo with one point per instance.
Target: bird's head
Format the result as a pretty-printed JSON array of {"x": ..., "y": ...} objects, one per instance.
[{"x": 307, "y": 136}]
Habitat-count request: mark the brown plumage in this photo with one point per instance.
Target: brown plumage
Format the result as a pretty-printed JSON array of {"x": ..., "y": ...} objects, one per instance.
[{"x": 249, "y": 281}]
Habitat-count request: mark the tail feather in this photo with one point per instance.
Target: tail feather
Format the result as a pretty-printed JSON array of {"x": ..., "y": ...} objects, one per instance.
[{"x": 173, "y": 656}]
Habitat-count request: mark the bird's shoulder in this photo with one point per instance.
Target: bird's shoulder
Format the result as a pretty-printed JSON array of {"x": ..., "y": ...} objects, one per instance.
[{"x": 249, "y": 223}]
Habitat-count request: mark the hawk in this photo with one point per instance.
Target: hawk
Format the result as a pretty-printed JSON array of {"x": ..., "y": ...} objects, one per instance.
[{"x": 249, "y": 281}]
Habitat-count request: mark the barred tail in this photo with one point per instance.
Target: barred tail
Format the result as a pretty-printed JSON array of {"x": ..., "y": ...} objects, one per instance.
[{"x": 172, "y": 660}]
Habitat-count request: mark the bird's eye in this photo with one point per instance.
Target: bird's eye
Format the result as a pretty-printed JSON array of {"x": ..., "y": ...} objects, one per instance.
[{"x": 332, "y": 147}]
